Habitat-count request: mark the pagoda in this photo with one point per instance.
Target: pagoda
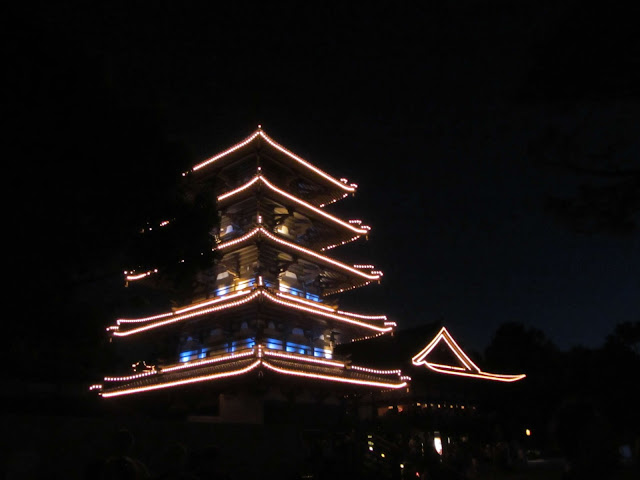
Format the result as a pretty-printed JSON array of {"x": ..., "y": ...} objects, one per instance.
[{"x": 269, "y": 312}]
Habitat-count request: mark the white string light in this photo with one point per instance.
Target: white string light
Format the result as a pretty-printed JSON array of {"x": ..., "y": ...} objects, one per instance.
[
  {"x": 311, "y": 307},
  {"x": 223, "y": 298},
  {"x": 377, "y": 372},
  {"x": 258, "y": 362},
  {"x": 269, "y": 235},
  {"x": 306, "y": 302},
  {"x": 333, "y": 201},
  {"x": 226, "y": 152},
  {"x": 208, "y": 361},
  {"x": 131, "y": 278},
  {"x": 342, "y": 185},
  {"x": 344, "y": 242},
  {"x": 327, "y": 314},
  {"x": 470, "y": 369},
  {"x": 186, "y": 381},
  {"x": 260, "y": 178},
  {"x": 183, "y": 317},
  {"x": 363, "y": 317},
  {"x": 319, "y": 376}
]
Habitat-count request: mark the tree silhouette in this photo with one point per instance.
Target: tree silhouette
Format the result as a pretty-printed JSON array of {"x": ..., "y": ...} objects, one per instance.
[
  {"x": 177, "y": 241},
  {"x": 519, "y": 348},
  {"x": 608, "y": 198},
  {"x": 584, "y": 83},
  {"x": 625, "y": 336}
]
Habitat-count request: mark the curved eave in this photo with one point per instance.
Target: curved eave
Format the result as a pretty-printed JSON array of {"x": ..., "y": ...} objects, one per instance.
[
  {"x": 260, "y": 139},
  {"x": 280, "y": 194},
  {"x": 468, "y": 368},
  {"x": 183, "y": 378},
  {"x": 262, "y": 233},
  {"x": 235, "y": 365},
  {"x": 129, "y": 327},
  {"x": 343, "y": 376},
  {"x": 496, "y": 377}
]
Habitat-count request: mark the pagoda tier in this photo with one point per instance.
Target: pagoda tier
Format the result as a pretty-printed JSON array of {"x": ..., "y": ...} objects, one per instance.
[
  {"x": 458, "y": 364},
  {"x": 237, "y": 165},
  {"x": 254, "y": 360},
  {"x": 254, "y": 313},
  {"x": 281, "y": 262},
  {"x": 285, "y": 214}
]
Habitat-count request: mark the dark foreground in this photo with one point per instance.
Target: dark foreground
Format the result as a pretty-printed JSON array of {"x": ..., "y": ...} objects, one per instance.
[{"x": 134, "y": 447}]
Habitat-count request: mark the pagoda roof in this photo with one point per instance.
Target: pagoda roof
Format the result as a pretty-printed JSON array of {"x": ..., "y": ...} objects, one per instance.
[
  {"x": 219, "y": 368},
  {"x": 239, "y": 301},
  {"x": 463, "y": 367},
  {"x": 271, "y": 152},
  {"x": 406, "y": 349},
  {"x": 352, "y": 229},
  {"x": 360, "y": 274},
  {"x": 345, "y": 277}
]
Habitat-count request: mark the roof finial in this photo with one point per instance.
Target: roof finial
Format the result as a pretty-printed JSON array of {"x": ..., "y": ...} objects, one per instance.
[{"x": 259, "y": 126}]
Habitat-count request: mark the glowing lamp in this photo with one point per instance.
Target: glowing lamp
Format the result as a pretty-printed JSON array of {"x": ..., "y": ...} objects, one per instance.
[{"x": 437, "y": 444}]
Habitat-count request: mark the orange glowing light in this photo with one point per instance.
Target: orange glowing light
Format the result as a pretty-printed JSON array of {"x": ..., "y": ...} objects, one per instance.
[
  {"x": 333, "y": 378},
  {"x": 362, "y": 230},
  {"x": 342, "y": 185},
  {"x": 186, "y": 381},
  {"x": 263, "y": 232},
  {"x": 234, "y": 300},
  {"x": 470, "y": 369}
]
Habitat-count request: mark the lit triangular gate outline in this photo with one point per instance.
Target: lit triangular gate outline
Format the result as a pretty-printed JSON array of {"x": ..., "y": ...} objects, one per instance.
[{"x": 469, "y": 369}]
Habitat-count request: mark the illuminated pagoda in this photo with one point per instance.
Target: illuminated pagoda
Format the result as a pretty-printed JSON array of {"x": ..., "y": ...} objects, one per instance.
[{"x": 269, "y": 314}]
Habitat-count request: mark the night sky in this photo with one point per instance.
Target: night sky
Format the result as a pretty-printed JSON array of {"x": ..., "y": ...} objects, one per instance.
[{"x": 446, "y": 117}]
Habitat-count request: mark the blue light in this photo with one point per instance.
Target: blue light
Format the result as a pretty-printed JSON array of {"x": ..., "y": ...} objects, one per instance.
[
  {"x": 189, "y": 355},
  {"x": 223, "y": 291},
  {"x": 298, "y": 348}
]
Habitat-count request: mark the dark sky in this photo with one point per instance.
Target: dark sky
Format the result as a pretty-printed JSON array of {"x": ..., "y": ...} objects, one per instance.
[{"x": 444, "y": 116}]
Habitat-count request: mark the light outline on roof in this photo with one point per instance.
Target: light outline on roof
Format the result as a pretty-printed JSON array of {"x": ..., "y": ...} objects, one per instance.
[
  {"x": 320, "y": 376},
  {"x": 262, "y": 179},
  {"x": 249, "y": 295},
  {"x": 277, "y": 239},
  {"x": 177, "y": 383},
  {"x": 471, "y": 369},
  {"x": 260, "y": 132}
]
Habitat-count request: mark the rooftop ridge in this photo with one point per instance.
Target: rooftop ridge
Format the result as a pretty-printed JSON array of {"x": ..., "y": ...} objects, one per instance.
[
  {"x": 470, "y": 369},
  {"x": 343, "y": 185},
  {"x": 237, "y": 299}
]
